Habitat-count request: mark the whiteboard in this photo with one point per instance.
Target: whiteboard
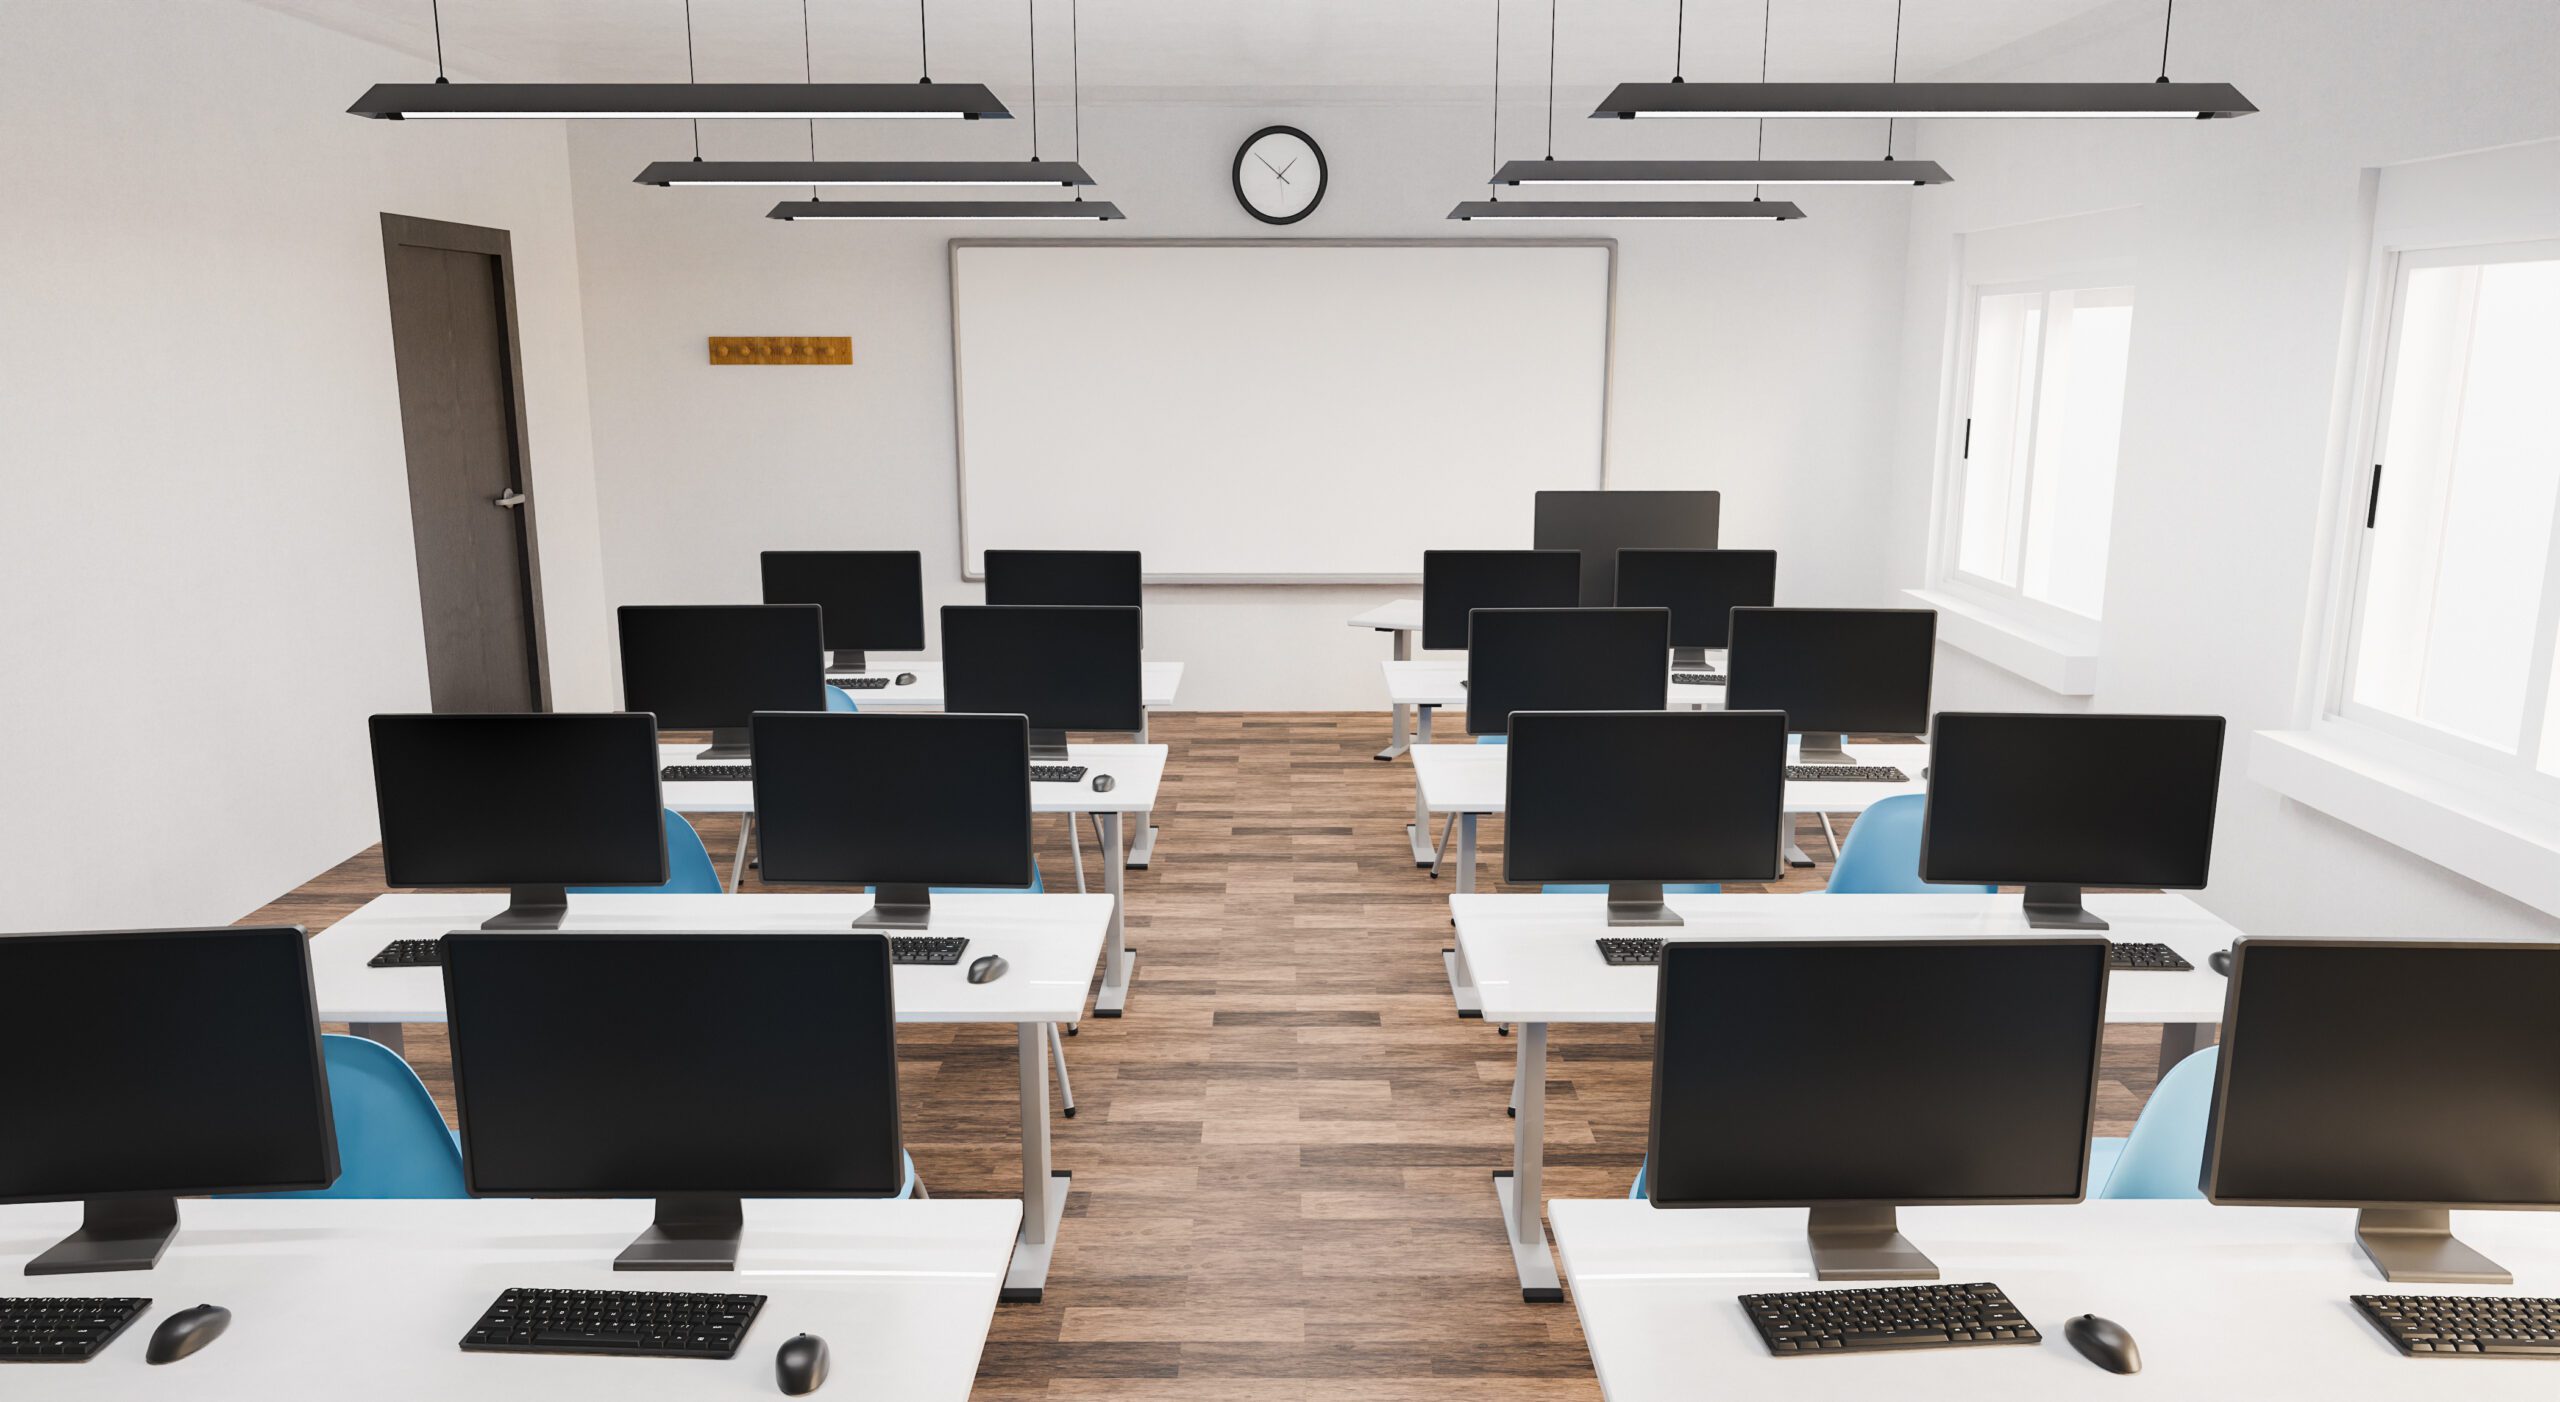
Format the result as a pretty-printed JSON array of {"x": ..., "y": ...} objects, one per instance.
[{"x": 1274, "y": 411}]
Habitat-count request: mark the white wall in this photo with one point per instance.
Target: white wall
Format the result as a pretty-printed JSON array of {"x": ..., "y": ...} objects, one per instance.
[
  {"x": 2249, "y": 267},
  {"x": 1755, "y": 358},
  {"x": 206, "y": 576}
]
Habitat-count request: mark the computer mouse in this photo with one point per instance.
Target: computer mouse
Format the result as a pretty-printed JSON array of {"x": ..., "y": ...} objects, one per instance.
[
  {"x": 186, "y": 1332},
  {"x": 2220, "y": 962},
  {"x": 987, "y": 968},
  {"x": 1104, "y": 783},
  {"x": 2103, "y": 1342},
  {"x": 904, "y": 679},
  {"x": 800, "y": 1364}
]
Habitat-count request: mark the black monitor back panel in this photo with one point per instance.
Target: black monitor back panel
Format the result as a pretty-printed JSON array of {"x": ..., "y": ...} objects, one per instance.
[
  {"x": 1565, "y": 660},
  {"x": 1643, "y": 796},
  {"x": 1600, "y": 524},
  {"x": 519, "y": 800},
  {"x": 1834, "y": 670},
  {"x": 1702, "y": 588},
  {"x": 1455, "y": 583},
  {"x": 1064, "y": 668},
  {"x": 885, "y": 797},
  {"x": 872, "y": 600},
  {"x": 710, "y": 666},
  {"x": 2085, "y": 800}
]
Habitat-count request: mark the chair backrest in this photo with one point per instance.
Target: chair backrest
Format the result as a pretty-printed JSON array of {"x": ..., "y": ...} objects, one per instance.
[
  {"x": 392, "y": 1141},
  {"x": 1881, "y": 855},
  {"x": 690, "y": 871},
  {"x": 839, "y": 699},
  {"x": 2164, "y": 1156}
]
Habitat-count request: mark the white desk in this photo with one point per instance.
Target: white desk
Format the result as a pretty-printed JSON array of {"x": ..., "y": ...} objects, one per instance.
[
  {"x": 368, "y": 1298},
  {"x": 1050, "y": 942},
  {"x": 2223, "y": 1302},
  {"x": 1532, "y": 962},
  {"x": 1432, "y": 683},
  {"x": 1158, "y": 682},
  {"x": 1401, "y": 618},
  {"x": 1138, "y": 772}
]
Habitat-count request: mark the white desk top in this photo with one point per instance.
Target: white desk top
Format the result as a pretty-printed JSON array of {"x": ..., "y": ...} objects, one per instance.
[
  {"x": 1470, "y": 779},
  {"x": 1050, "y": 941},
  {"x": 1434, "y": 681},
  {"x": 1393, "y": 616},
  {"x": 2223, "y": 1302},
  {"x": 1158, "y": 682},
  {"x": 367, "y": 1299},
  {"x": 1137, "y": 769},
  {"x": 1534, "y": 960}
]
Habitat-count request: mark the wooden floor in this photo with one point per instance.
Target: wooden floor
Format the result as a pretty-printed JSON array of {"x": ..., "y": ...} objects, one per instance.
[{"x": 1282, "y": 1153}]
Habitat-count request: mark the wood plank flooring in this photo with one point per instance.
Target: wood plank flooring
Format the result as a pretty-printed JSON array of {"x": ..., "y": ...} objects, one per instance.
[{"x": 1282, "y": 1153}]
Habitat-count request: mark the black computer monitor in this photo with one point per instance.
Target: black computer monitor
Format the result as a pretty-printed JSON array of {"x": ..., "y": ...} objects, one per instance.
[
  {"x": 2057, "y": 802},
  {"x": 1600, "y": 524},
  {"x": 534, "y": 803},
  {"x": 1833, "y": 671},
  {"x": 900, "y": 802},
  {"x": 1565, "y": 660},
  {"x": 1855, "y": 1076},
  {"x": 1101, "y": 577},
  {"x": 710, "y": 666},
  {"x": 1456, "y": 583},
  {"x": 1066, "y": 668},
  {"x": 2401, "y": 1078},
  {"x": 696, "y": 1069},
  {"x": 150, "y": 1065},
  {"x": 873, "y": 600},
  {"x": 1638, "y": 798},
  {"x": 1702, "y": 588}
]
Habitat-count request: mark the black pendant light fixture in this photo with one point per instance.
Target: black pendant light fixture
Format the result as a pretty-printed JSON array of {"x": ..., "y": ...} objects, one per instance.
[
  {"x": 1034, "y": 171},
  {"x": 662, "y": 101},
  {"x": 2159, "y": 98},
  {"x": 1494, "y": 208}
]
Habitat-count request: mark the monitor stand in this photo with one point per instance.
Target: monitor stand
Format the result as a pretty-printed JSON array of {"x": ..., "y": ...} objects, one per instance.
[
  {"x": 2416, "y": 1246},
  {"x": 1822, "y": 747},
  {"x": 2055, "y": 907},
  {"x": 1639, "y": 903},
  {"x": 116, "y": 1234},
  {"x": 1863, "y": 1241},
  {"x": 728, "y": 746},
  {"x": 846, "y": 659},
  {"x": 693, "y": 1232},
  {"x": 1049, "y": 745},
  {"x": 531, "y": 908},
  {"x": 1690, "y": 659},
  {"x": 897, "y": 905}
]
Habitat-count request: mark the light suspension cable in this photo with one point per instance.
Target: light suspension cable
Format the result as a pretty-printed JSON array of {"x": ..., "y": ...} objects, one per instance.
[
  {"x": 435, "y": 15},
  {"x": 688, "y": 74},
  {"x": 2168, "y": 16},
  {"x": 1896, "y": 76}
]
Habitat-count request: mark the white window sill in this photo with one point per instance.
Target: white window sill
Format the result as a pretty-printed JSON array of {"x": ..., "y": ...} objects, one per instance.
[
  {"x": 2415, "y": 800},
  {"x": 2065, "y": 663}
]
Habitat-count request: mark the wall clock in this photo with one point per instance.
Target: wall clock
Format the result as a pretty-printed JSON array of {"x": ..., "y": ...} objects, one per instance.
[{"x": 1279, "y": 175}]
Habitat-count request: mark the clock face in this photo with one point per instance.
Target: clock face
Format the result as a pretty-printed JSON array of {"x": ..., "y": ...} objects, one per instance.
[{"x": 1279, "y": 175}]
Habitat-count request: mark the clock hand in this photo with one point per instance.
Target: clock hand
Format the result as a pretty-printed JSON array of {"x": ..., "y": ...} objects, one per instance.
[
  {"x": 1283, "y": 172},
  {"x": 1275, "y": 170}
]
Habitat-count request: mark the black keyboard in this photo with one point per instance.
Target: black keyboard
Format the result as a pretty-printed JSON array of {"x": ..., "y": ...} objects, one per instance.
[
  {"x": 696, "y": 773},
  {"x": 1057, "y": 773},
  {"x": 646, "y": 1322},
  {"x": 62, "y": 1328},
  {"x": 2158, "y": 958},
  {"x": 1623, "y": 952},
  {"x": 2433, "y": 1326},
  {"x": 859, "y": 683},
  {"x": 926, "y": 949},
  {"x": 409, "y": 954},
  {"x": 1846, "y": 773},
  {"x": 1697, "y": 679},
  {"x": 1893, "y": 1317}
]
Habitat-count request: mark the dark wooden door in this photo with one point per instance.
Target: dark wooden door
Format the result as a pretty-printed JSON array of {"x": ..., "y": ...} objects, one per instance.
[{"x": 470, "y": 494}]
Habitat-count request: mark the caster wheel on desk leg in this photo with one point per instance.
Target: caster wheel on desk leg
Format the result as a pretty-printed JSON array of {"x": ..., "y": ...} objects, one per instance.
[
  {"x": 1503, "y": 1031},
  {"x": 1070, "y": 1112}
]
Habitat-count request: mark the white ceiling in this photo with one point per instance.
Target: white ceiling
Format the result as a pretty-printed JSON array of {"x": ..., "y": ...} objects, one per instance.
[{"x": 1440, "y": 48}]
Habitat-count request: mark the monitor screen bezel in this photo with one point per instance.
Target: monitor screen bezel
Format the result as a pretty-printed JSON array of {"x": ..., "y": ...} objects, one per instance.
[
  {"x": 1660, "y": 659},
  {"x": 1137, "y": 568},
  {"x": 1928, "y": 687},
  {"x": 1430, "y": 640},
  {"x": 1511, "y": 846},
  {"x": 2213, "y": 820},
  {"x": 817, "y": 653},
  {"x": 1022, "y": 728},
  {"x": 914, "y": 627},
  {"x": 1137, "y": 713},
  {"x": 657, "y": 781},
  {"x": 1619, "y": 589}
]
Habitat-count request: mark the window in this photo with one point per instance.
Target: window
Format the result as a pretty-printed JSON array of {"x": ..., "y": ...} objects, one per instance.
[
  {"x": 2457, "y": 600},
  {"x": 2043, "y": 407}
]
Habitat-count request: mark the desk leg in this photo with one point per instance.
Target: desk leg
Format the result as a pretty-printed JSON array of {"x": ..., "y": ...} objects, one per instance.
[
  {"x": 1044, "y": 1189},
  {"x": 1419, "y": 832},
  {"x": 386, "y": 1033},
  {"x": 1520, "y": 1189},
  {"x": 1796, "y": 855},
  {"x": 1118, "y": 960},
  {"x": 2180, "y": 1040},
  {"x": 738, "y": 860},
  {"x": 1404, "y": 653},
  {"x": 1142, "y": 846},
  {"x": 1462, "y": 983}
]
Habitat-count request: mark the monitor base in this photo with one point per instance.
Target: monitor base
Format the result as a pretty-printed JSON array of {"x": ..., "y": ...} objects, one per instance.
[
  {"x": 1822, "y": 747},
  {"x": 116, "y": 1234},
  {"x": 897, "y": 905},
  {"x": 1690, "y": 659},
  {"x": 2058, "y": 908},
  {"x": 1049, "y": 745},
  {"x": 693, "y": 1232},
  {"x": 531, "y": 908},
  {"x": 1863, "y": 1242},
  {"x": 847, "y": 659},
  {"x": 728, "y": 746},
  {"x": 1639, "y": 903},
  {"x": 2416, "y": 1246}
]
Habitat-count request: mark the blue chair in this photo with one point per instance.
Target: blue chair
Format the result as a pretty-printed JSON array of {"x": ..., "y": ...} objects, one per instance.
[
  {"x": 392, "y": 1142},
  {"x": 840, "y": 700},
  {"x": 1881, "y": 855},
  {"x": 689, "y": 868},
  {"x": 2164, "y": 1156}
]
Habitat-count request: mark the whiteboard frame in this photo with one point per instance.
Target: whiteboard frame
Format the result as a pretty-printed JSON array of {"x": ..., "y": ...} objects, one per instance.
[{"x": 959, "y": 434}]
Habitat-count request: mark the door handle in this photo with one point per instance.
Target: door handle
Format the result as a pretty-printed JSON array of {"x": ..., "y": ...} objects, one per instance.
[{"x": 509, "y": 497}]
